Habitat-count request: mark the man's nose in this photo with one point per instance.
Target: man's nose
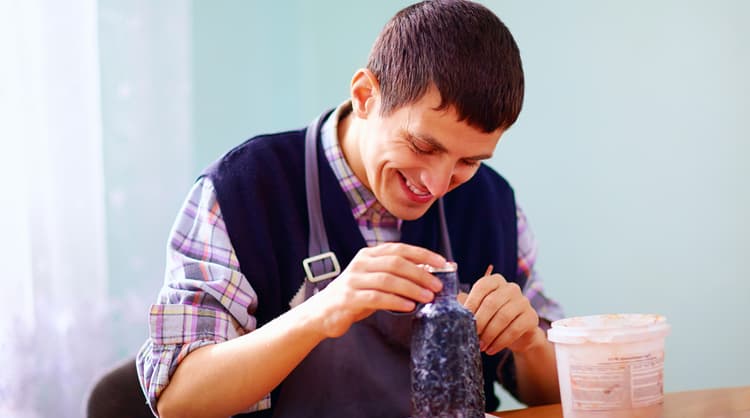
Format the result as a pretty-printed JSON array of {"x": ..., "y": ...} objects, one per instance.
[{"x": 439, "y": 178}]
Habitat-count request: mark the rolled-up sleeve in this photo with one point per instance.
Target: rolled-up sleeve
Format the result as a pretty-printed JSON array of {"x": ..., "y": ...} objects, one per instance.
[
  {"x": 205, "y": 298},
  {"x": 547, "y": 309}
]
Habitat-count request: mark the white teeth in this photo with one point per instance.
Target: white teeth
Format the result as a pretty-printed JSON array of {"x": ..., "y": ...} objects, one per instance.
[{"x": 414, "y": 189}]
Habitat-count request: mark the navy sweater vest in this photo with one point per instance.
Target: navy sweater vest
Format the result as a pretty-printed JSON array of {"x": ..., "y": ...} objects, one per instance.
[{"x": 260, "y": 187}]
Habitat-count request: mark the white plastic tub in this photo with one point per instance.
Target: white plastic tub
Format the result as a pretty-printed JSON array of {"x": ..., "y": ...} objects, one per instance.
[{"x": 610, "y": 365}]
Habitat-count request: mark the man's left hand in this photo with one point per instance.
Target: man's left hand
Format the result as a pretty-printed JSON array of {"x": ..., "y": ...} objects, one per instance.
[{"x": 504, "y": 316}]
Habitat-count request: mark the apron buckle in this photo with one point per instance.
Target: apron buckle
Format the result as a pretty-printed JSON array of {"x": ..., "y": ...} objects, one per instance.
[{"x": 325, "y": 260}]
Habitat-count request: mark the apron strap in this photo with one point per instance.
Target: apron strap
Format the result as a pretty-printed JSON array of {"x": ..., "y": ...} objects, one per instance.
[{"x": 321, "y": 265}]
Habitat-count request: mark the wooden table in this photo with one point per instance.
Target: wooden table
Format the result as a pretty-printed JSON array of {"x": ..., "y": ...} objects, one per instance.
[{"x": 711, "y": 403}]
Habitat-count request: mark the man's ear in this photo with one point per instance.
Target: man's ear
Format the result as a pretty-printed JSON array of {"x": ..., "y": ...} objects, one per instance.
[{"x": 365, "y": 93}]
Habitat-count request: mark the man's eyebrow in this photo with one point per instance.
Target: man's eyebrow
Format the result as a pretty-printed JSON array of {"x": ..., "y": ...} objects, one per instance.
[
  {"x": 439, "y": 147},
  {"x": 434, "y": 143}
]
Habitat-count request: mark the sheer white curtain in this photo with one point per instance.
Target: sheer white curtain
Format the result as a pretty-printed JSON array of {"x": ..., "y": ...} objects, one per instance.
[
  {"x": 95, "y": 159},
  {"x": 53, "y": 244}
]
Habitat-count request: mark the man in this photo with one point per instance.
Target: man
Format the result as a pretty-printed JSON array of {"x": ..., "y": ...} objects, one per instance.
[{"x": 238, "y": 328}]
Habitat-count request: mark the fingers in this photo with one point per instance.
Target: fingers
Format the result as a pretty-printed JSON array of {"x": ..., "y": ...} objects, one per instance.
[
  {"x": 390, "y": 269},
  {"x": 416, "y": 255},
  {"x": 420, "y": 289},
  {"x": 399, "y": 260},
  {"x": 481, "y": 289},
  {"x": 384, "y": 277},
  {"x": 375, "y": 300},
  {"x": 501, "y": 332},
  {"x": 400, "y": 267},
  {"x": 495, "y": 310},
  {"x": 503, "y": 314}
]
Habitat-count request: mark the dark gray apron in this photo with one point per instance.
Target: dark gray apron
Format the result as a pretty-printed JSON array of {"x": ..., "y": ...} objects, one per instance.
[{"x": 365, "y": 372}]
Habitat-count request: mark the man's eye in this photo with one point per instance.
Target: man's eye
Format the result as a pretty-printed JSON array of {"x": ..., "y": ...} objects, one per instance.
[
  {"x": 470, "y": 163},
  {"x": 418, "y": 150}
]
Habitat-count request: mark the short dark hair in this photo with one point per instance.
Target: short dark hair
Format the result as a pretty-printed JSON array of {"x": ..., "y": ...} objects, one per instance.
[{"x": 463, "y": 49}]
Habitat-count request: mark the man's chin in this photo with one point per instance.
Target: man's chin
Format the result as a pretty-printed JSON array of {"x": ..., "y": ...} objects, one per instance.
[{"x": 411, "y": 213}]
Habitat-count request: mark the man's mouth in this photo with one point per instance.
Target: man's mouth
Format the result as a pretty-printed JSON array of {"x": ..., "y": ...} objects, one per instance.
[{"x": 419, "y": 192}]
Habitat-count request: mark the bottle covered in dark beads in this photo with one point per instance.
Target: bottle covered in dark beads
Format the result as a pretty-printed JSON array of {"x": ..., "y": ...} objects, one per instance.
[{"x": 446, "y": 367}]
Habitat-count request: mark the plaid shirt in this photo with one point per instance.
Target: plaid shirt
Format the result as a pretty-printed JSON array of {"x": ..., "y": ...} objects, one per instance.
[{"x": 206, "y": 299}]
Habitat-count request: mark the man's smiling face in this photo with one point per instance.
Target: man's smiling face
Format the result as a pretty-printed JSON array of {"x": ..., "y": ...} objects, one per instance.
[{"x": 417, "y": 154}]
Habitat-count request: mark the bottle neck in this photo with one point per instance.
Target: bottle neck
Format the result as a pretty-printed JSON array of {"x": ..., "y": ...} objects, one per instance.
[{"x": 450, "y": 284}]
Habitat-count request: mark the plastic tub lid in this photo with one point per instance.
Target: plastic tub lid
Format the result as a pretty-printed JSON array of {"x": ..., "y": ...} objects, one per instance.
[{"x": 610, "y": 328}]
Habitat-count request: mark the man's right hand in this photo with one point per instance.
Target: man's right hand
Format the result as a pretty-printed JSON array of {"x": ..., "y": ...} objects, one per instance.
[{"x": 385, "y": 276}]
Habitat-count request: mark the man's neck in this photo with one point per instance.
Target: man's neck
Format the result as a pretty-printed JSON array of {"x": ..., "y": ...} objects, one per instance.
[{"x": 348, "y": 136}]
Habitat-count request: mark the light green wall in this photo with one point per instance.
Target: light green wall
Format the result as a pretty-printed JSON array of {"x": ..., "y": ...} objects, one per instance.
[
  {"x": 263, "y": 66},
  {"x": 631, "y": 157},
  {"x": 146, "y": 105}
]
